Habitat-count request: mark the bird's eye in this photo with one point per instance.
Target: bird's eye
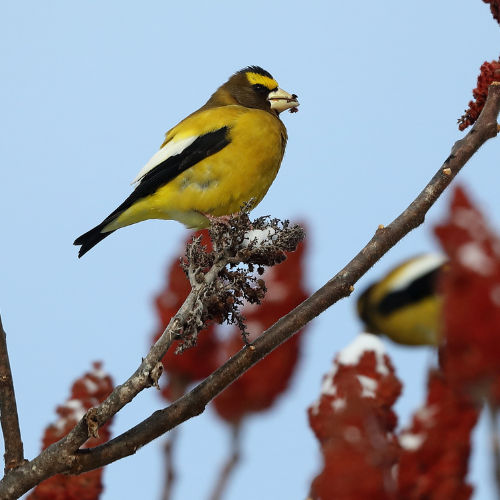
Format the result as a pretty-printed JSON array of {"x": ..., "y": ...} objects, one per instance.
[{"x": 260, "y": 89}]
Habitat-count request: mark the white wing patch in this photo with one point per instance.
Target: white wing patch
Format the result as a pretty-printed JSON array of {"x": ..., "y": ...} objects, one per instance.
[
  {"x": 415, "y": 268},
  {"x": 172, "y": 148}
]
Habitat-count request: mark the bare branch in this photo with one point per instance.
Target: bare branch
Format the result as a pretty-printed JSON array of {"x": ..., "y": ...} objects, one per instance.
[
  {"x": 14, "y": 455},
  {"x": 64, "y": 456},
  {"x": 230, "y": 464},
  {"x": 215, "y": 277},
  {"x": 59, "y": 457},
  {"x": 340, "y": 286},
  {"x": 170, "y": 474},
  {"x": 178, "y": 388}
]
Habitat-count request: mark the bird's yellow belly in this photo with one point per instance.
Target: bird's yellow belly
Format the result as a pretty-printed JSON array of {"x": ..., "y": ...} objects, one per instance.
[
  {"x": 416, "y": 324},
  {"x": 220, "y": 184}
]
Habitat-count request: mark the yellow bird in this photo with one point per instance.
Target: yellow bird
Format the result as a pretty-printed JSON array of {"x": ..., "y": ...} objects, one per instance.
[
  {"x": 220, "y": 157},
  {"x": 405, "y": 305}
]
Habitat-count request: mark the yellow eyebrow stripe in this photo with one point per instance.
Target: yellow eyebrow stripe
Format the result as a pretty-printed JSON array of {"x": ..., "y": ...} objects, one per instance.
[{"x": 255, "y": 78}]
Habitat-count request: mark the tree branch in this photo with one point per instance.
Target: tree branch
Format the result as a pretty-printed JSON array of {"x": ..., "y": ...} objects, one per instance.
[
  {"x": 230, "y": 464},
  {"x": 60, "y": 456},
  {"x": 64, "y": 455},
  {"x": 211, "y": 283},
  {"x": 170, "y": 473},
  {"x": 14, "y": 455},
  {"x": 178, "y": 387},
  {"x": 340, "y": 286}
]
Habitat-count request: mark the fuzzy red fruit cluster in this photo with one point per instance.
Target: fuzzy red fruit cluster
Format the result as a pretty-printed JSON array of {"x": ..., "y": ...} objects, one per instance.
[
  {"x": 489, "y": 73},
  {"x": 193, "y": 364},
  {"x": 258, "y": 388},
  {"x": 436, "y": 447},
  {"x": 251, "y": 392},
  {"x": 495, "y": 9},
  {"x": 471, "y": 300},
  {"x": 86, "y": 392},
  {"x": 354, "y": 423}
]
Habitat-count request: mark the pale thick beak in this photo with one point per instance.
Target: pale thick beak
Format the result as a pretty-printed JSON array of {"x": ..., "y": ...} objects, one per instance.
[{"x": 281, "y": 100}]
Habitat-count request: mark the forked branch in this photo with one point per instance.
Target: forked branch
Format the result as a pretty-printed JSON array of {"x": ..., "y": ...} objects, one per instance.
[{"x": 65, "y": 456}]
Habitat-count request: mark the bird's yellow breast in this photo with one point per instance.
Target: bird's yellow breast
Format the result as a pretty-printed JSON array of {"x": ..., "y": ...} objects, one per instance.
[
  {"x": 415, "y": 324},
  {"x": 221, "y": 183}
]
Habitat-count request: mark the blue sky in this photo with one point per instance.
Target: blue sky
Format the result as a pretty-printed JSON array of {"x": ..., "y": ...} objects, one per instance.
[{"x": 87, "y": 92}]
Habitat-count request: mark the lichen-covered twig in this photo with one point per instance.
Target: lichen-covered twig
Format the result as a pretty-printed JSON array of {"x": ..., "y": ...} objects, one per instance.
[
  {"x": 65, "y": 455},
  {"x": 221, "y": 279},
  {"x": 341, "y": 285}
]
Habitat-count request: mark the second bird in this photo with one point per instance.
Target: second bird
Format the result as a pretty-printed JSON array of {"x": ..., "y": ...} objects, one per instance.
[{"x": 220, "y": 157}]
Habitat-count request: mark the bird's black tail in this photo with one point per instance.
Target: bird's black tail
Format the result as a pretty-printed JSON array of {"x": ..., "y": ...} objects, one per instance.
[{"x": 91, "y": 238}]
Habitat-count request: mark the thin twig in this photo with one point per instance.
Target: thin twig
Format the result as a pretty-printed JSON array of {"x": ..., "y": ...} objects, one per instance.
[
  {"x": 178, "y": 388},
  {"x": 170, "y": 474},
  {"x": 65, "y": 456},
  {"x": 14, "y": 454},
  {"x": 340, "y": 286},
  {"x": 60, "y": 456},
  {"x": 230, "y": 464}
]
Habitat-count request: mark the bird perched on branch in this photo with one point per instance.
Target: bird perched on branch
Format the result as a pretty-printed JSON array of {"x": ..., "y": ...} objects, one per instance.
[
  {"x": 405, "y": 305},
  {"x": 223, "y": 155}
]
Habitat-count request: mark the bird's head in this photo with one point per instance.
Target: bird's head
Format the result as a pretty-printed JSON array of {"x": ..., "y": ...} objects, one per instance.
[{"x": 254, "y": 87}]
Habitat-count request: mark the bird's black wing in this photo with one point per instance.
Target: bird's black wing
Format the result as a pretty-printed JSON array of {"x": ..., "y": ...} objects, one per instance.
[
  {"x": 202, "y": 147},
  {"x": 419, "y": 289}
]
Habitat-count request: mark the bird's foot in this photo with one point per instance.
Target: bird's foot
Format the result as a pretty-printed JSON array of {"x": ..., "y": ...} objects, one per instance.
[{"x": 223, "y": 219}]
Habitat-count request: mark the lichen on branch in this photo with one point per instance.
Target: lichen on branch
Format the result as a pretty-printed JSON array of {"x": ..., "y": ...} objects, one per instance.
[{"x": 226, "y": 272}]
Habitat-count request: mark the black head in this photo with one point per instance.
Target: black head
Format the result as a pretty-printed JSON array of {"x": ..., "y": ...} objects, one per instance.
[{"x": 253, "y": 87}]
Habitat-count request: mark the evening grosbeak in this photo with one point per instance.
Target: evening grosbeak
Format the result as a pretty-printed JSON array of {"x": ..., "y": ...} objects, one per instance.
[
  {"x": 405, "y": 305},
  {"x": 225, "y": 154}
]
